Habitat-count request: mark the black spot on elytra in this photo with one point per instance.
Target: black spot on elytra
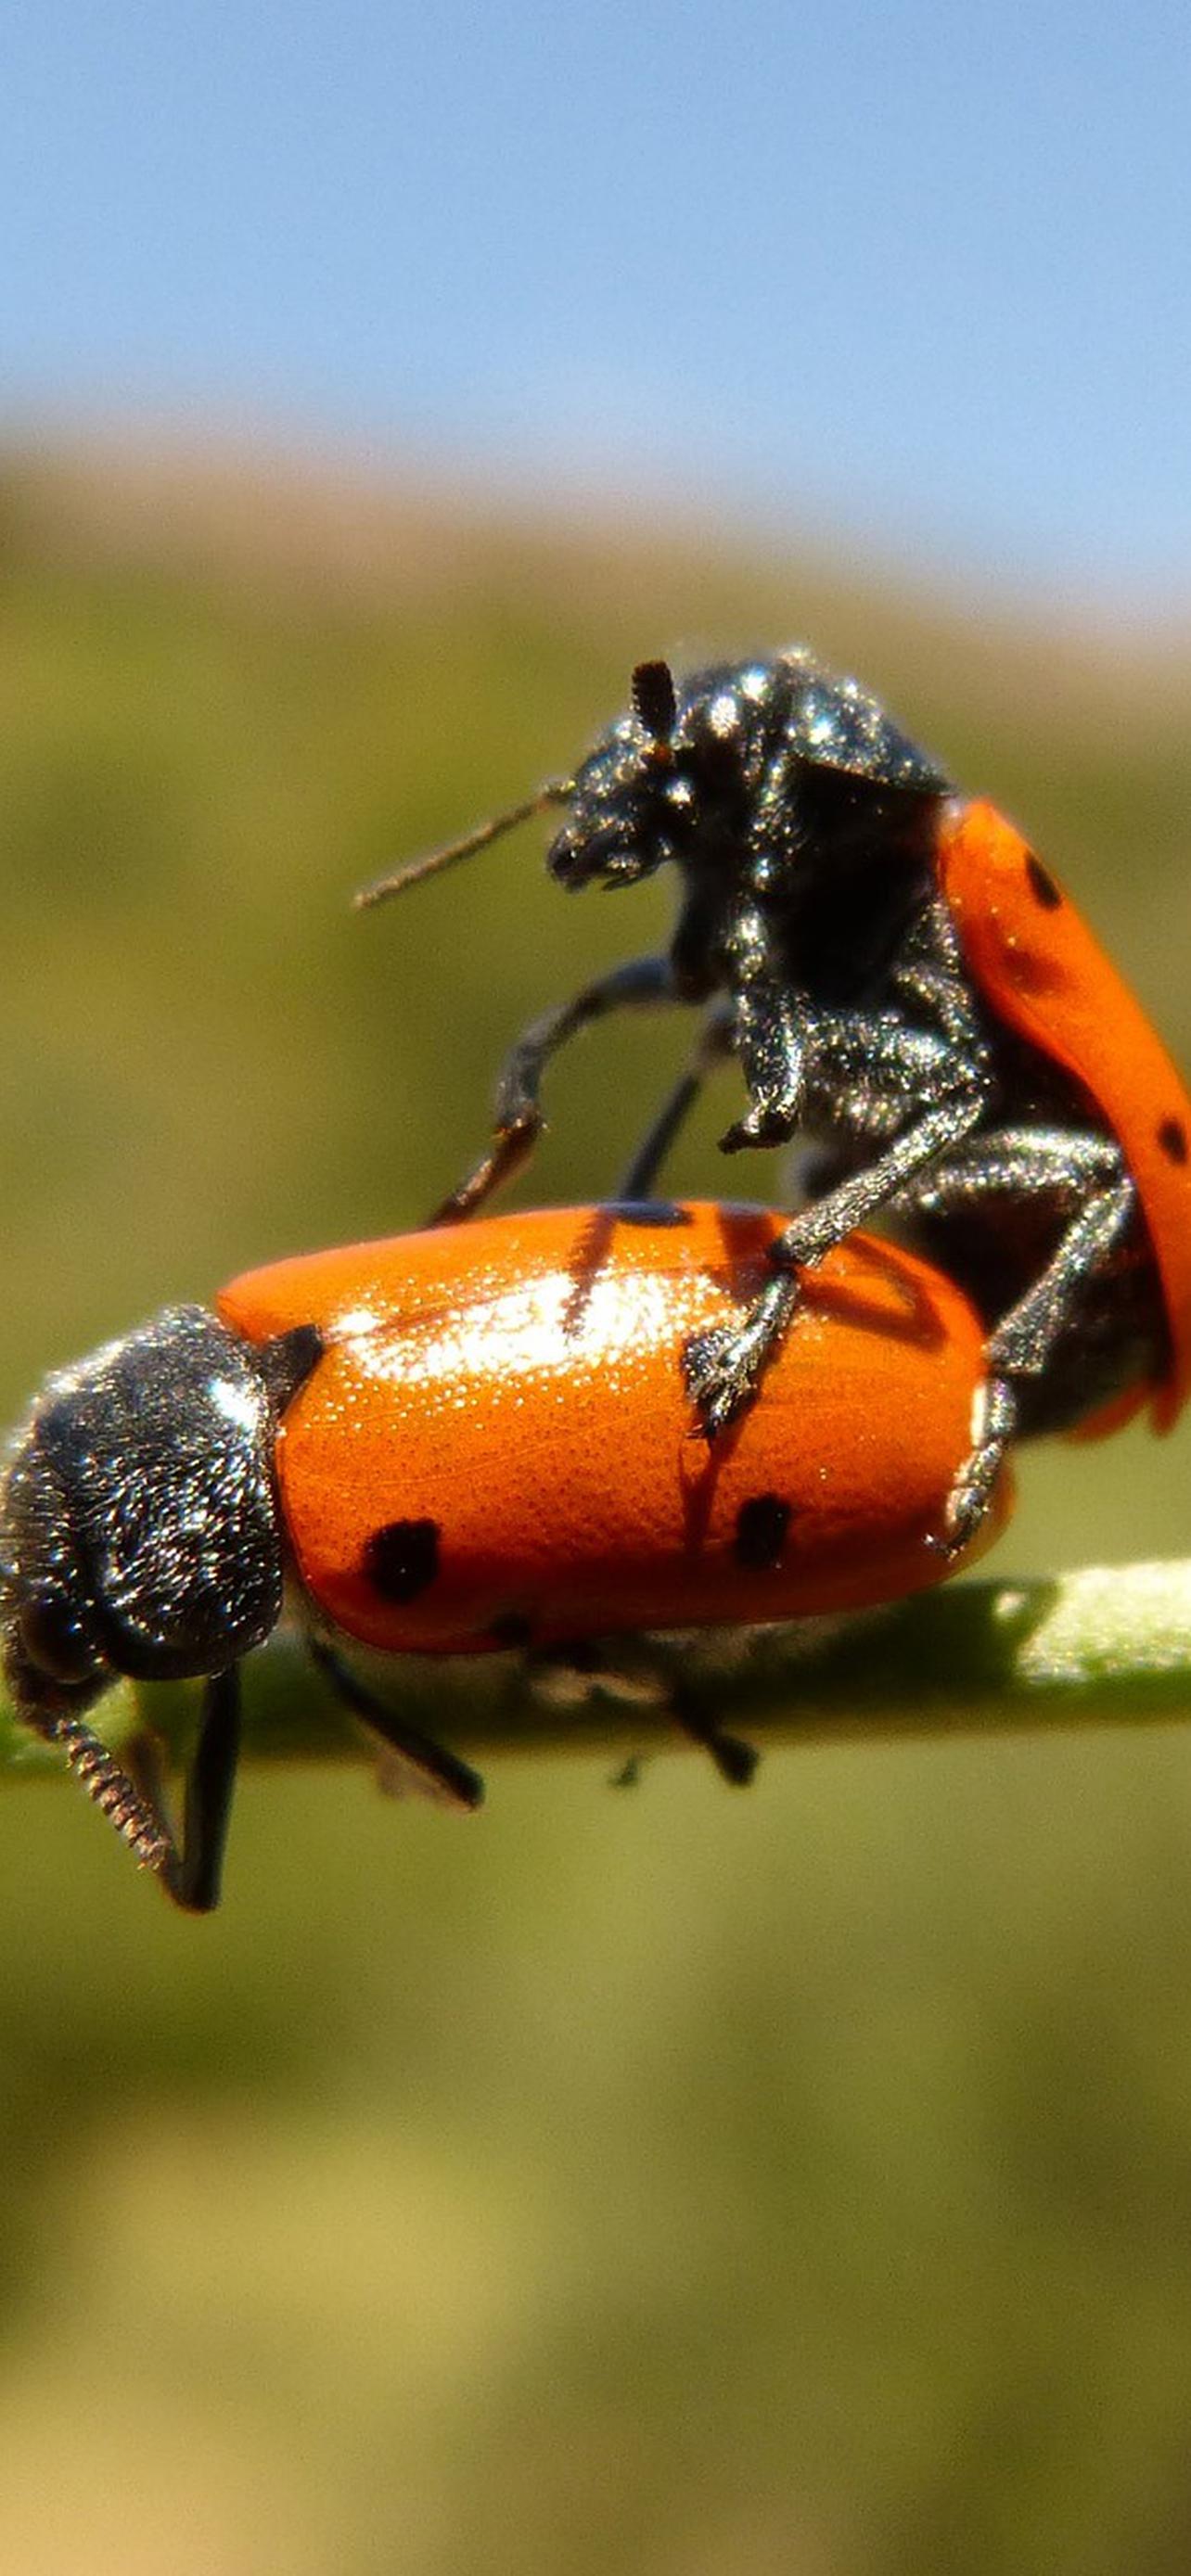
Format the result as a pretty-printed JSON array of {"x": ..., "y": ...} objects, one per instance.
[
  {"x": 401, "y": 1560},
  {"x": 647, "y": 1212},
  {"x": 761, "y": 1526},
  {"x": 1172, "y": 1140},
  {"x": 1042, "y": 885},
  {"x": 511, "y": 1629}
]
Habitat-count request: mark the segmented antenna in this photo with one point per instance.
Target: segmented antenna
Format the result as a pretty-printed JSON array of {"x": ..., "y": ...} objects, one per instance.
[
  {"x": 114, "y": 1793},
  {"x": 654, "y": 702},
  {"x": 554, "y": 792}
]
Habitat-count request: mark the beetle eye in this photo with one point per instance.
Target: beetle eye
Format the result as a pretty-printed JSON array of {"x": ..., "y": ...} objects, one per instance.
[{"x": 53, "y": 1639}]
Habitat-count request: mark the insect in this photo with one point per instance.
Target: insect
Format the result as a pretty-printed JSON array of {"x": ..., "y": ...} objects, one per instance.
[
  {"x": 909, "y": 993},
  {"x": 462, "y": 1444}
]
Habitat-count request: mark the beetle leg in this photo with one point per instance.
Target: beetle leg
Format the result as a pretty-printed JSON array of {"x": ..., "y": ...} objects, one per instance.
[
  {"x": 1058, "y": 1162},
  {"x": 434, "y": 1772},
  {"x": 933, "y": 979},
  {"x": 993, "y": 1427},
  {"x": 723, "y": 1368},
  {"x": 817, "y": 1230},
  {"x": 642, "y": 984},
  {"x": 735, "y": 1760},
  {"x": 715, "y": 1043},
  {"x": 1025, "y": 1337},
  {"x": 208, "y": 1799},
  {"x": 1022, "y": 1345},
  {"x": 629, "y": 1774},
  {"x": 770, "y": 1036},
  {"x": 624, "y": 1671},
  {"x": 191, "y": 1873},
  {"x": 1086, "y": 1172}
]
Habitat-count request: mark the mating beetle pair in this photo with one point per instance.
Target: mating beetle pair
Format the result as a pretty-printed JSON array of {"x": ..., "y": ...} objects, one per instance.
[{"x": 463, "y": 1443}]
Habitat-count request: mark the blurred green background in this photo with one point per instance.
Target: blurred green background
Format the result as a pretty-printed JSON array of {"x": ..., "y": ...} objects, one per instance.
[{"x": 681, "y": 2183}]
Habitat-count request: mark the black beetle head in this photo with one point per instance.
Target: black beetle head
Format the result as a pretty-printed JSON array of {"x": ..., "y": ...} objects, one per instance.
[
  {"x": 724, "y": 762},
  {"x": 139, "y": 1528},
  {"x": 629, "y": 801}
]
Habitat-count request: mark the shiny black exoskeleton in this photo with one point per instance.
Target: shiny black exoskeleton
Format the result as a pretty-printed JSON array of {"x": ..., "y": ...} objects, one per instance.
[
  {"x": 141, "y": 1535},
  {"x": 812, "y": 932}
]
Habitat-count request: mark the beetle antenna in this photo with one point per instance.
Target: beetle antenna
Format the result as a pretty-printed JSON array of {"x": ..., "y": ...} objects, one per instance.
[
  {"x": 654, "y": 702},
  {"x": 555, "y": 792}
]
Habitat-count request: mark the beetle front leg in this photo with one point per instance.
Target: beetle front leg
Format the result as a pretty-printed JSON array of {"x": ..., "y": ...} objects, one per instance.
[
  {"x": 643, "y": 983},
  {"x": 770, "y": 1037},
  {"x": 191, "y": 1872},
  {"x": 715, "y": 1043}
]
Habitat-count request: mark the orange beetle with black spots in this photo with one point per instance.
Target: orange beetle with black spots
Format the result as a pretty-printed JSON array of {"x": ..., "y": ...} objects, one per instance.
[{"x": 465, "y": 1443}]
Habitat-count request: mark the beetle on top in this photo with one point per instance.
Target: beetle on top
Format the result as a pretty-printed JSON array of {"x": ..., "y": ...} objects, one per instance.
[{"x": 908, "y": 993}]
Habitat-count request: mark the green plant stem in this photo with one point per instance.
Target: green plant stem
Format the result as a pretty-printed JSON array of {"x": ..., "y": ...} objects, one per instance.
[{"x": 1103, "y": 1646}]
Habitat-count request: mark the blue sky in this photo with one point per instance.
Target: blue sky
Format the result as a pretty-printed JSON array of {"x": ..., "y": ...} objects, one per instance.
[{"x": 919, "y": 275}]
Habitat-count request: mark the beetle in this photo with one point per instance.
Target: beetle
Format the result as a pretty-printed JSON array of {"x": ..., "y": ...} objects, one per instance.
[
  {"x": 911, "y": 996},
  {"x": 468, "y": 1443}
]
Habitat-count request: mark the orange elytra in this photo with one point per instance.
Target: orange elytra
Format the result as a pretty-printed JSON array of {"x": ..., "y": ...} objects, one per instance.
[
  {"x": 464, "y": 1442},
  {"x": 496, "y": 1445},
  {"x": 1034, "y": 958}
]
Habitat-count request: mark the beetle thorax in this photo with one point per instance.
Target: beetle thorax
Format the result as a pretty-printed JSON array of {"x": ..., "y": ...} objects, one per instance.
[{"x": 138, "y": 1524}]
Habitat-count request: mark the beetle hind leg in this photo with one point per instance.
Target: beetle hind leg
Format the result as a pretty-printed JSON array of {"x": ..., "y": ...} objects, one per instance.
[
  {"x": 628, "y": 1672},
  {"x": 1087, "y": 1174},
  {"x": 971, "y": 1495}
]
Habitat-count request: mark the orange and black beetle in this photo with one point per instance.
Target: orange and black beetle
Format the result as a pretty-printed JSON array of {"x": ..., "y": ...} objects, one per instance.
[{"x": 467, "y": 1443}]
